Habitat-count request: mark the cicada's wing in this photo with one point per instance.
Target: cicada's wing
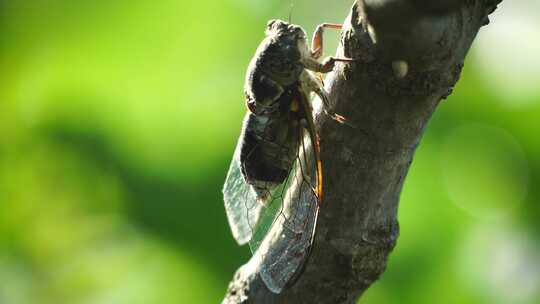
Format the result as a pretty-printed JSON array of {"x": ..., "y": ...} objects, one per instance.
[
  {"x": 286, "y": 246},
  {"x": 243, "y": 210},
  {"x": 281, "y": 229}
]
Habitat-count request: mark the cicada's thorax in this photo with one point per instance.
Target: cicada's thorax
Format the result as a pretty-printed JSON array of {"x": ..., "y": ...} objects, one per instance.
[
  {"x": 279, "y": 59},
  {"x": 275, "y": 66}
]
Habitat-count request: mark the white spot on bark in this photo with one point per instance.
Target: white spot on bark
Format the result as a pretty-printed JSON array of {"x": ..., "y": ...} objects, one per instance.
[{"x": 400, "y": 68}]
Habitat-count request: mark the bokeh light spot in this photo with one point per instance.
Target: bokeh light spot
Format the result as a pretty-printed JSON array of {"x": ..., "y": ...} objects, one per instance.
[
  {"x": 484, "y": 170},
  {"x": 507, "y": 52},
  {"x": 500, "y": 264}
]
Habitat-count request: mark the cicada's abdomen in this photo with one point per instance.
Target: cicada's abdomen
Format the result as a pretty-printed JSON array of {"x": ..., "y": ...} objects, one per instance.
[{"x": 270, "y": 147}]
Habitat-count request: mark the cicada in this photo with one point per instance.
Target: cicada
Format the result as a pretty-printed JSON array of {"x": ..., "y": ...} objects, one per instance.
[{"x": 274, "y": 187}]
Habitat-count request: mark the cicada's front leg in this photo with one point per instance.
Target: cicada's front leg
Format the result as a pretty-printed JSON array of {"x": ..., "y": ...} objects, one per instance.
[
  {"x": 317, "y": 41},
  {"x": 311, "y": 62}
]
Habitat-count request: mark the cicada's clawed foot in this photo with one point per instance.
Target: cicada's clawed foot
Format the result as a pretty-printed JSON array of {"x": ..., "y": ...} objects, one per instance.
[
  {"x": 330, "y": 62},
  {"x": 340, "y": 119},
  {"x": 344, "y": 59}
]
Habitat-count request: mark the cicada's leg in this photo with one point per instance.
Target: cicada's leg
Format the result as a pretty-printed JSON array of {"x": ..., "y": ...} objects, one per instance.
[
  {"x": 312, "y": 84},
  {"x": 311, "y": 62},
  {"x": 326, "y": 107},
  {"x": 317, "y": 42},
  {"x": 261, "y": 91},
  {"x": 326, "y": 66}
]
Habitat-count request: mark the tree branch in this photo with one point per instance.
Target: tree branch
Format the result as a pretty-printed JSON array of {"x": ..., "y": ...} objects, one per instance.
[{"x": 409, "y": 56}]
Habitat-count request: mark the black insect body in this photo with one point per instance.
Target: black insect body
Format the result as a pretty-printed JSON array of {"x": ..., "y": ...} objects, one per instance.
[
  {"x": 270, "y": 143},
  {"x": 273, "y": 188}
]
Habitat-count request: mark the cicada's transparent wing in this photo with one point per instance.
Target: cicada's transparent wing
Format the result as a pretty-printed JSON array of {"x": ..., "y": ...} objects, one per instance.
[
  {"x": 286, "y": 246},
  {"x": 273, "y": 208},
  {"x": 243, "y": 210}
]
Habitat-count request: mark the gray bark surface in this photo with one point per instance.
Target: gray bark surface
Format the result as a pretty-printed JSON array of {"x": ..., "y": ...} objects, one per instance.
[{"x": 365, "y": 167}]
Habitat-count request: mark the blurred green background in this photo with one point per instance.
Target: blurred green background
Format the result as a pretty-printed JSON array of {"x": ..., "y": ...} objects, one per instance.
[{"x": 117, "y": 124}]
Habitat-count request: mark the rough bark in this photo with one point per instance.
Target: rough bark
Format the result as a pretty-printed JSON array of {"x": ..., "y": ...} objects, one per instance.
[{"x": 390, "y": 103}]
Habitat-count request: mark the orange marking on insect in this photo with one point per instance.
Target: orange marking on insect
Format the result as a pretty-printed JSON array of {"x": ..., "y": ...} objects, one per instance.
[
  {"x": 319, "y": 172},
  {"x": 319, "y": 181},
  {"x": 318, "y": 189},
  {"x": 294, "y": 105},
  {"x": 321, "y": 77}
]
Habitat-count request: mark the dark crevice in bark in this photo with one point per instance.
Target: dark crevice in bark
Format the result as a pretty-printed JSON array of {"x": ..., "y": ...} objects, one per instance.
[{"x": 389, "y": 93}]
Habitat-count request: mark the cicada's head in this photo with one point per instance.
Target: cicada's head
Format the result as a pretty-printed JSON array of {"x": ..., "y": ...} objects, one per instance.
[{"x": 284, "y": 30}]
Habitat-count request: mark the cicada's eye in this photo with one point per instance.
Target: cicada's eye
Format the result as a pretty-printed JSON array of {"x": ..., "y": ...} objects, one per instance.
[
  {"x": 297, "y": 31},
  {"x": 270, "y": 24},
  {"x": 274, "y": 26}
]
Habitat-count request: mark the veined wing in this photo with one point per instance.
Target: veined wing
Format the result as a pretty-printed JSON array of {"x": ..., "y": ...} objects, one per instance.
[
  {"x": 243, "y": 210},
  {"x": 286, "y": 243},
  {"x": 280, "y": 231}
]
